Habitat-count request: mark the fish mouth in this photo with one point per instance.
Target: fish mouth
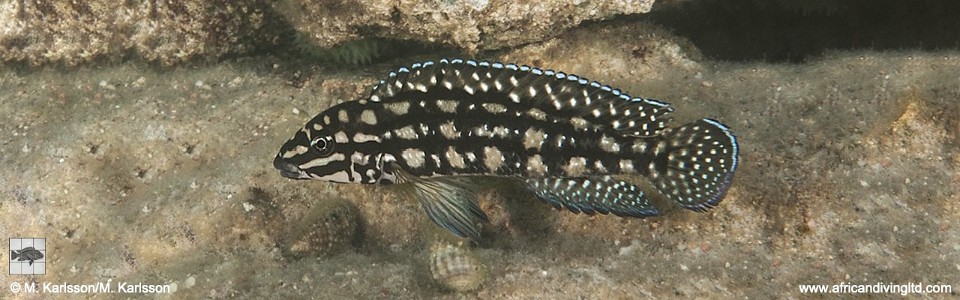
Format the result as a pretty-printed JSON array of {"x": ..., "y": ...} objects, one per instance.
[{"x": 288, "y": 170}]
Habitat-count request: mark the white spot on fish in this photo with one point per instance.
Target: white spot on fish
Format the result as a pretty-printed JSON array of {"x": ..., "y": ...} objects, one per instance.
[
  {"x": 359, "y": 158},
  {"x": 482, "y": 131},
  {"x": 533, "y": 138},
  {"x": 420, "y": 87},
  {"x": 398, "y": 108},
  {"x": 494, "y": 108},
  {"x": 448, "y": 106},
  {"x": 296, "y": 151},
  {"x": 579, "y": 123},
  {"x": 626, "y": 166},
  {"x": 501, "y": 131},
  {"x": 449, "y": 130},
  {"x": 599, "y": 166},
  {"x": 514, "y": 97},
  {"x": 576, "y": 166},
  {"x": 413, "y": 157},
  {"x": 455, "y": 159},
  {"x": 341, "y": 137},
  {"x": 537, "y": 114},
  {"x": 367, "y": 116},
  {"x": 492, "y": 158},
  {"x": 535, "y": 166},
  {"x": 609, "y": 144},
  {"x": 662, "y": 146},
  {"x": 361, "y": 138},
  {"x": 406, "y": 132},
  {"x": 425, "y": 129}
]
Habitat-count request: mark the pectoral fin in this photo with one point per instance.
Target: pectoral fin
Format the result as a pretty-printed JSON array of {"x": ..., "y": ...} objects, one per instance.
[{"x": 449, "y": 202}]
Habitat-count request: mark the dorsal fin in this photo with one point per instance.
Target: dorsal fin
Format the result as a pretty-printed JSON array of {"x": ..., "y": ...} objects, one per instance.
[{"x": 556, "y": 93}]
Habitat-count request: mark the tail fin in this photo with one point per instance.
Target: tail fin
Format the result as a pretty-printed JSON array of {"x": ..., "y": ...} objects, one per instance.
[
  {"x": 694, "y": 164},
  {"x": 13, "y": 255}
]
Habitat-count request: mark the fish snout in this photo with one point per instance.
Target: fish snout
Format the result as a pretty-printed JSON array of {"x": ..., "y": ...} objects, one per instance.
[{"x": 287, "y": 169}]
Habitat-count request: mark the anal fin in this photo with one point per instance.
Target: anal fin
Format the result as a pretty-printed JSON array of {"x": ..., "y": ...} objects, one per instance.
[
  {"x": 592, "y": 195},
  {"x": 449, "y": 202}
]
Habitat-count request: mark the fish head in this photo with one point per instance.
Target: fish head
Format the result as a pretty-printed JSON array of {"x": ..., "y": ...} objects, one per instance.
[{"x": 330, "y": 148}]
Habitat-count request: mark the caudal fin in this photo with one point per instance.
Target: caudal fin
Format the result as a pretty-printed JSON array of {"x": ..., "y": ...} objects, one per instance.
[{"x": 695, "y": 163}]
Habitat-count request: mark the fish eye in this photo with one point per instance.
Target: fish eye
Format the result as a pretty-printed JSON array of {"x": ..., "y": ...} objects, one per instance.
[{"x": 322, "y": 144}]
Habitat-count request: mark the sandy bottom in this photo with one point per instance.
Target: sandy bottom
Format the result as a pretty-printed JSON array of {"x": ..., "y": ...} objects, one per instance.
[{"x": 849, "y": 174}]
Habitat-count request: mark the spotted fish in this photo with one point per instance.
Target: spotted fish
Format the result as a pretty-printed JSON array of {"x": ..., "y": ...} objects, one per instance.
[{"x": 435, "y": 124}]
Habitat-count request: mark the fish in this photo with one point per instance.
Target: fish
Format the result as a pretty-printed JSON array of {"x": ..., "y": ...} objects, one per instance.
[
  {"x": 571, "y": 141},
  {"x": 29, "y": 253}
]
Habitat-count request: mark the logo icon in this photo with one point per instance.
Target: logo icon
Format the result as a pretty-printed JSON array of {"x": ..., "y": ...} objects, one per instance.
[{"x": 27, "y": 256}]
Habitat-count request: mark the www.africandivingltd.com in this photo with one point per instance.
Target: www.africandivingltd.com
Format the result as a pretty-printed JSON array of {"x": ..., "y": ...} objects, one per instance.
[{"x": 876, "y": 288}]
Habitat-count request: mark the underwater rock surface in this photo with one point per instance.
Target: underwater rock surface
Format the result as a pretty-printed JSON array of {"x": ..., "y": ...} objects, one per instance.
[
  {"x": 70, "y": 33},
  {"x": 470, "y": 25},
  {"x": 170, "y": 33}
]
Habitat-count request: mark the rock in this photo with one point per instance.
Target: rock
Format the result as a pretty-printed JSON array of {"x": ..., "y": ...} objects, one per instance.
[
  {"x": 168, "y": 32},
  {"x": 470, "y": 25}
]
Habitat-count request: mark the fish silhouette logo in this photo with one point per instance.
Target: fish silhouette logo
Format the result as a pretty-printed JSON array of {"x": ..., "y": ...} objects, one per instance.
[{"x": 29, "y": 254}]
